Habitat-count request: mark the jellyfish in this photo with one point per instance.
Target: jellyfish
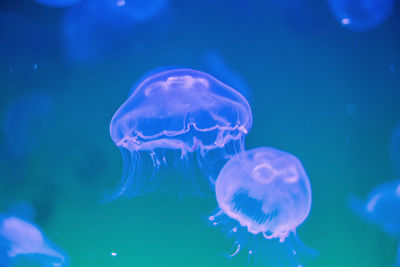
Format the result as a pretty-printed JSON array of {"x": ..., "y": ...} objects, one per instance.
[
  {"x": 381, "y": 208},
  {"x": 24, "y": 242},
  {"x": 92, "y": 30},
  {"x": 263, "y": 196},
  {"x": 219, "y": 68},
  {"x": 361, "y": 15},
  {"x": 57, "y": 3},
  {"x": 26, "y": 122},
  {"x": 182, "y": 120},
  {"x": 139, "y": 10},
  {"x": 394, "y": 149}
]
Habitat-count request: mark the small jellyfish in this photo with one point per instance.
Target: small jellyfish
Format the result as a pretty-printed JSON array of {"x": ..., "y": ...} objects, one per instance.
[
  {"x": 394, "y": 149},
  {"x": 23, "y": 242},
  {"x": 382, "y": 208},
  {"x": 361, "y": 15},
  {"x": 26, "y": 122},
  {"x": 184, "y": 119},
  {"x": 263, "y": 195},
  {"x": 219, "y": 68},
  {"x": 57, "y": 3},
  {"x": 139, "y": 10}
]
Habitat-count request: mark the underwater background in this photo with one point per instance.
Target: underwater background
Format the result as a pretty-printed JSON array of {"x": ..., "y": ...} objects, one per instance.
[{"x": 325, "y": 93}]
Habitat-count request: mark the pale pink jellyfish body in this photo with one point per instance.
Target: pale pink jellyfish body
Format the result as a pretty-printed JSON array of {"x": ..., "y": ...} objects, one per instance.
[
  {"x": 179, "y": 118},
  {"x": 264, "y": 194}
]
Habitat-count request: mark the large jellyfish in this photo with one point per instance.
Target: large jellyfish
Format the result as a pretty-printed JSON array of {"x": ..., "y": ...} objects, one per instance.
[
  {"x": 184, "y": 119},
  {"x": 263, "y": 195},
  {"x": 23, "y": 244},
  {"x": 361, "y": 15},
  {"x": 394, "y": 149},
  {"x": 382, "y": 208}
]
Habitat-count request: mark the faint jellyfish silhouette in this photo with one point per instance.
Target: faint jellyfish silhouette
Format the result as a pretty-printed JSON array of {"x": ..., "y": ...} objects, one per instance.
[
  {"x": 382, "y": 208},
  {"x": 139, "y": 10},
  {"x": 263, "y": 195},
  {"x": 92, "y": 30},
  {"x": 26, "y": 122},
  {"x": 184, "y": 119},
  {"x": 216, "y": 65},
  {"x": 394, "y": 149},
  {"x": 23, "y": 242},
  {"x": 57, "y": 3},
  {"x": 361, "y": 15}
]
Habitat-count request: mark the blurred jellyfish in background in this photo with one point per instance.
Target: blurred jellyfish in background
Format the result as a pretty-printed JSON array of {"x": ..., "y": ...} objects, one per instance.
[
  {"x": 26, "y": 123},
  {"x": 382, "y": 208},
  {"x": 92, "y": 30},
  {"x": 263, "y": 195},
  {"x": 24, "y": 244},
  {"x": 216, "y": 65},
  {"x": 139, "y": 10},
  {"x": 394, "y": 149},
  {"x": 361, "y": 15},
  {"x": 57, "y": 3},
  {"x": 184, "y": 119}
]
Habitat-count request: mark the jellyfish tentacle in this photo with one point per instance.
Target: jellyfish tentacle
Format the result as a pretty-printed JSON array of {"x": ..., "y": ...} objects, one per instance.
[{"x": 236, "y": 250}]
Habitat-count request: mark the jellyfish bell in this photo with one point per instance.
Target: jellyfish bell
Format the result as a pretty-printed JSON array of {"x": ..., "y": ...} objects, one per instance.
[
  {"x": 361, "y": 15},
  {"x": 381, "y": 206},
  {"x": 182, "y": 118},
  {"x": 23, "y": 242},
  {"x": 91, "y": 31},
  {"x": 264, "y": 194}
]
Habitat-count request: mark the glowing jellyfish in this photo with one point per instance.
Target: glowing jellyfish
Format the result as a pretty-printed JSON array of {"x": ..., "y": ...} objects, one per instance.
[
  {"x": 26, "y": 122},
  {"x": 57, "y": 3},
  {"x": 263, "y": 195},
  {"x": 23, "y": 242},
  {"x": 382, "y": 208},
  {"x": 394, "y": 149},
  {"x": 139, "y": 10},
  {"x": 181, "y": 118},
  {"x": 361, "y": 15},
  {"x": 219, "y": 68}
]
